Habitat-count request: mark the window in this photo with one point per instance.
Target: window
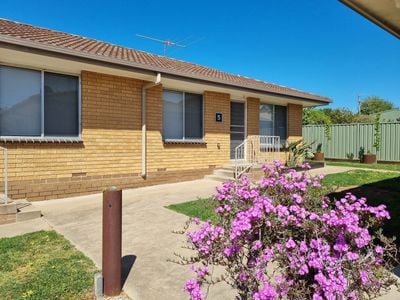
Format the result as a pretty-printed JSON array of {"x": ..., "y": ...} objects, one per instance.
[
  {"x": 273, "y": 121},
  {"x": 38, "y": 104},
  {"x": 182, "y": 116}
]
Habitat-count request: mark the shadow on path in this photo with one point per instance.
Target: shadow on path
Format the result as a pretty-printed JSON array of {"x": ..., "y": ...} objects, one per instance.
[{"x": 127, "y": 264}]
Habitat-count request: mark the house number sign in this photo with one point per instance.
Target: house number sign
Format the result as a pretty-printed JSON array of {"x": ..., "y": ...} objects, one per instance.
[{"x": 218, "y": 117}]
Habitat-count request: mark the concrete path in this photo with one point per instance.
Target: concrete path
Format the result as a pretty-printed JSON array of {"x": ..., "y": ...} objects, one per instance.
[
  {"x": 147, "y": 236},
  {"x": 330, "y": 170},
  {"x": 13, "y": 229}
]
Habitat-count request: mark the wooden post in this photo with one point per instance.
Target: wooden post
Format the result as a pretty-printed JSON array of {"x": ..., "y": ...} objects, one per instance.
[{"x": 112, "y": 241}]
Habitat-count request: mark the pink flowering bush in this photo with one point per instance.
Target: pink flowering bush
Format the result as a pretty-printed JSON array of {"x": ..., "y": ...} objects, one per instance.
[{"x": 282, "y": 238}]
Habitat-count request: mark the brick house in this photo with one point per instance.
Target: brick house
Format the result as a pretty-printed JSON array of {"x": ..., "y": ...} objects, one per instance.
[{"x": 77, "y": 114}]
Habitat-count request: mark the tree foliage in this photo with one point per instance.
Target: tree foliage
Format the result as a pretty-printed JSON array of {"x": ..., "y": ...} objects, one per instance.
[
  {"x": 313, "y": 116},
  {"x": 374, "y": 104},
  {"x": 325, "y": 116},
  {"x": 339, "y": 115}
]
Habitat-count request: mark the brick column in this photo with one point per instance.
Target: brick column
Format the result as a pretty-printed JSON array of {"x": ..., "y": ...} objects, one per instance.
[
  {"x": 295, "y": 122},
  {"x": 253, "y": 116}
]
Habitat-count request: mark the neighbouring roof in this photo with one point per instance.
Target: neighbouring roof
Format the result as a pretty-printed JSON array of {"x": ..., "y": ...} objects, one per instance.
[
  {"x": 392, "y": 115},
  {"x": 12, "y": 32},
  {"x": 384, "y": 13}
]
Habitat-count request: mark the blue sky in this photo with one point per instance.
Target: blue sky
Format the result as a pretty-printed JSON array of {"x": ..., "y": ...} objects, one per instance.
[{"x": 316, "y": 46}]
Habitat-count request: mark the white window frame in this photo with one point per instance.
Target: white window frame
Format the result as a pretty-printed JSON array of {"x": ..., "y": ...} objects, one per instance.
[
  {"x": 184, "y": 139},
  {"x": 42, "y": 137}
]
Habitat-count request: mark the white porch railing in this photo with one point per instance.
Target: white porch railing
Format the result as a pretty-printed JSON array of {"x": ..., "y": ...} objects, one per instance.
[
  {"x": 255, "y": 150},
  {"x": 5, "y": 176}
]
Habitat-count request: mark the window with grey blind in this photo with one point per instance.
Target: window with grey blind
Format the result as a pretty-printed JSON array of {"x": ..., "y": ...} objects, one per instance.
[
  {"x": 182, "y": 116},
  {"x": 61, "y": 109},
  {"x": 38, "y": 104},
  {"x": 273, "y": 121}
]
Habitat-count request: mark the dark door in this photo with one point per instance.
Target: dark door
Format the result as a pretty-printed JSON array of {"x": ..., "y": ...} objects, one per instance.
[{"x": 237, "y": 126}]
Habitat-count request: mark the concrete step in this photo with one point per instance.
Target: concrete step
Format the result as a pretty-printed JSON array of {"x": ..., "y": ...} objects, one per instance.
[
  {"x": 218, "y": 178},
  {"x": 224, "y": 172},
  {"x": 7, "y": 219},
  {"x": 17, "y": 211},
  {"x": 21, "y": 203},
  {"x": 9, "y": 208},
  {"x": 229, "y": 167},
  {"x": 28, "y": 212}
]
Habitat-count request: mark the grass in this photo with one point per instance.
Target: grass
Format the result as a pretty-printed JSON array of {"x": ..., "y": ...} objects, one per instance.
[
  {"x": 44, "y": 265},
  {"x": 359, "y": 177},
  {"x": 377, "y": 187},
  {"x": 390, "y": 167},
  {"x": 200, "y": 208}
]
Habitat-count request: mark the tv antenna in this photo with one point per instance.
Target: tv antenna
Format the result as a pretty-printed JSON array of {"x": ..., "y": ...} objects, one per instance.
[{"x": 167, "y": 43}]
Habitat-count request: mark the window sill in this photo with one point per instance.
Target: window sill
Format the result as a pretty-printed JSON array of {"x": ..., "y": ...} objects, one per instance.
[
  {"x": 39, "y": 139},
  {"x": 193, "y": 142}
]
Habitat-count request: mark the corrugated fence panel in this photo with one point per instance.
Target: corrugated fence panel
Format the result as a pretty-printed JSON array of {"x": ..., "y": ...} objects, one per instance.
[{"x": 347, "y": 139}]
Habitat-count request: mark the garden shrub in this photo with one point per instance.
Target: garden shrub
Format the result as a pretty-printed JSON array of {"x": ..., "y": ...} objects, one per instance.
[{"x": 283, "y": 238}]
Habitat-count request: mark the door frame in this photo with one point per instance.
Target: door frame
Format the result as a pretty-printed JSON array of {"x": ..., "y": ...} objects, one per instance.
[{"x": 244, "y": 101}]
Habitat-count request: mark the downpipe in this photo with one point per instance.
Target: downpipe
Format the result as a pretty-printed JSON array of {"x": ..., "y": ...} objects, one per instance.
[{"x": 144, "y": 123}]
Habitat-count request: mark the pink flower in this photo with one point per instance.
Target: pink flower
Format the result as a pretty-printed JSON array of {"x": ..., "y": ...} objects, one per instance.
[
  {"x": 193, "y": 288},
  {"x": 303, "y": 247},
  {"x": 364, "y": 277},
  {"x": 266, "y": 293},
  {"x": 379, "y": 250},
  {"x": 285, "y": 221},
  {"x": 290, "y": 244},
  {"x": 303, "y": 270},
  {"x": 297, "y": 198}
]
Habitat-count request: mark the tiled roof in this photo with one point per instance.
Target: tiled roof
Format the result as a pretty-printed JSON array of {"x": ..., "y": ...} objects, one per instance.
[{"x": 37, "y": 37}]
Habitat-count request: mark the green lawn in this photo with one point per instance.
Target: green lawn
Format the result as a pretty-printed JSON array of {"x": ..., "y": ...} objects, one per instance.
[
  {"x": 377, "y": 187},
  {"x": 359, "y": 177},
  {"x": 391, "y": 167},
  {"x": 200, "y": 208},
  {"x": 44, "y": 265}
]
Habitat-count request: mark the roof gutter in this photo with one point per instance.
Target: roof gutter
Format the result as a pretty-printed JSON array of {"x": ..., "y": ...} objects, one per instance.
[
  {"x": 115, "y": 61},
  {"x": 370, "y": 16},
  {"x": 144, "y": 123}
]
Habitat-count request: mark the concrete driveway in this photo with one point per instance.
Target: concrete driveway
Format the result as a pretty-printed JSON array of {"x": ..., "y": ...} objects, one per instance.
[{"x": 147, "y": 236}]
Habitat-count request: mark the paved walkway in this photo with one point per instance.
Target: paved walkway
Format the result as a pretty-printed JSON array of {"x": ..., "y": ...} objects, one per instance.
[
  {"x": 147, "y": 236},
  {"x": 13, "y": 229}
]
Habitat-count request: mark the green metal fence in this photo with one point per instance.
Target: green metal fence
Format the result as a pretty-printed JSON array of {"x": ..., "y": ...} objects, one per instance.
[{"x": 347, "y": 139}]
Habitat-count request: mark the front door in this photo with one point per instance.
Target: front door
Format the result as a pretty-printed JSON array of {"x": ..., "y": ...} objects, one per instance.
[{"x": 237, "y": 126}]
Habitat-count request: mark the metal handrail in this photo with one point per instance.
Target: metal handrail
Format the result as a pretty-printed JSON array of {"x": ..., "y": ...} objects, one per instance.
[
  {"x": 5, "y": 154},
  {"x": 255, "y": 150}
]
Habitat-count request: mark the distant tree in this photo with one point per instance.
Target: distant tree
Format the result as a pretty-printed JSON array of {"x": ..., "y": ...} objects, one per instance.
[
  {"x": 313, "y": 116},
  {"x": 339, "y": 115},
  {"x": 364, "y": 119},
  {"x": 374, "y": 104}
]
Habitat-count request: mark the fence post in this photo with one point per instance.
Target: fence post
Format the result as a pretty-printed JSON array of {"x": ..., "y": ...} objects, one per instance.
[{"x": 112, "y": 241}]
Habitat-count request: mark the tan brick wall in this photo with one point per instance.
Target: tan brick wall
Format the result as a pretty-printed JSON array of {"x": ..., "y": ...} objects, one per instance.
[
  {"x": 253, "y": 116},
  {"x": 110, "y": 151},
  {"x": 174, "y": 157},
  {"x": 111, "y": 147},
  {"x": 295, "y": 122}
]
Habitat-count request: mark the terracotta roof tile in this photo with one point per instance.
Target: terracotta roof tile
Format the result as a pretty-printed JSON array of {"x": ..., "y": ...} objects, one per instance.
[{"x": 60, "y": 40}]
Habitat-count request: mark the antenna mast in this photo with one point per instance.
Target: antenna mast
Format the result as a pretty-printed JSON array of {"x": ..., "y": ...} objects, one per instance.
[{"x": 167, "y": 43}]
